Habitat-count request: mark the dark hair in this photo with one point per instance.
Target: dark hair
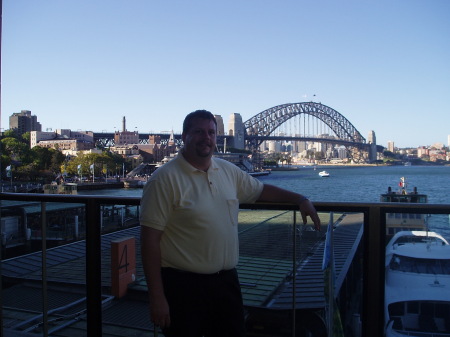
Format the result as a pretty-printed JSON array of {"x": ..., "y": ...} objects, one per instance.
[{"x": 204, "y": 114}]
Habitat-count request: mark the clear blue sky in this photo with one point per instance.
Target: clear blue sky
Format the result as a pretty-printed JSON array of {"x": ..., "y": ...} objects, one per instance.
[{"x": 383, "y": 64}]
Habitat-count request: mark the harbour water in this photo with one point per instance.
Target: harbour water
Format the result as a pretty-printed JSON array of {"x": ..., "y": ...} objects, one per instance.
[{"x": 354, "y": 184}]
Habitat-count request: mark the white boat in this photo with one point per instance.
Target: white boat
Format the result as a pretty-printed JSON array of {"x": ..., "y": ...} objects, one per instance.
[
  {"x": 417, "y": 285},
  {"x": 324, "y": 174},
  {"x": 396, "y": 222}
]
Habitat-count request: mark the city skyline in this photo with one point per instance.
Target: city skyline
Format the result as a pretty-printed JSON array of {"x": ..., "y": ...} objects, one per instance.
[
  {"x": 221, "y": 122},
  {"x": 83, "y": 65}
]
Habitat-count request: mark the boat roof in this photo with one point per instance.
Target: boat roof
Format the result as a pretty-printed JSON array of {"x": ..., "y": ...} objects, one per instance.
[
  {"x": 423, "y": 251},
  {"x": 416, "y": 236}
]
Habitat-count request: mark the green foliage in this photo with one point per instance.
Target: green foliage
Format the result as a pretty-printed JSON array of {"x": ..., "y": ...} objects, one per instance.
[
  {"x": 105, "y": 163},
  {"x": 270, "y": 163},
  {"x": 44, "y": 164},
  {"x": 15, "y": 148}
]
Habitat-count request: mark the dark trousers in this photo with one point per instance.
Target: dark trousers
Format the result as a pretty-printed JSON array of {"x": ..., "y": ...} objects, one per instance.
[{"x": 204, "y": 305}]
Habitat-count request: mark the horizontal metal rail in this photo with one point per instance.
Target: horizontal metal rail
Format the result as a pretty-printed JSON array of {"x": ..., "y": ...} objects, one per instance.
[{"x": 373, "y": 247}]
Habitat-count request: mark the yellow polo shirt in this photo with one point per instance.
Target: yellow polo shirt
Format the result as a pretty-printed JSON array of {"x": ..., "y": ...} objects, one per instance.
[{"x": 198, "y": 212}]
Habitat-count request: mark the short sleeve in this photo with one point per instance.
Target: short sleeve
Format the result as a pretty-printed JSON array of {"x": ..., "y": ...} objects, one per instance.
[{"x": 155, "y": 205}]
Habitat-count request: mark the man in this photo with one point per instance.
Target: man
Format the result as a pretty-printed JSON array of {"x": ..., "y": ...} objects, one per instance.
[{"x": 189, "y": 218}]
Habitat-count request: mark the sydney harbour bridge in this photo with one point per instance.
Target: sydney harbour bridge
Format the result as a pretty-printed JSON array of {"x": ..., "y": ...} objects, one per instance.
[{"x": 291, "y": 122}]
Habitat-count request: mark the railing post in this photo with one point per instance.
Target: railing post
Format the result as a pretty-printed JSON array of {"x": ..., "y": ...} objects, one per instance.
[
  {"x": 373, "y": 274},
  {"x": 93, "y": 269},
  {"x": 44, "y": 268},
  {"x": 294, "y": 273}
]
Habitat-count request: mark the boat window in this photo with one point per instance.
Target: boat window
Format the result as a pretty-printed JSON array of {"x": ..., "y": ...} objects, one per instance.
[
  {"x": 427, "y": 308},
  {"x": 423, "y": 266},
  {"x": 396, "y": 309},
  {"x": 395, "y": 263},
  {"x": 445, "y": 267},
  {"x": 442, "y": 310},
  {"x": 412, "y": 307}
]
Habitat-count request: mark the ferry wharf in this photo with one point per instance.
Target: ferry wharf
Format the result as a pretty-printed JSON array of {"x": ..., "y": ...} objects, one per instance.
[{"x": 273, "y": 294}]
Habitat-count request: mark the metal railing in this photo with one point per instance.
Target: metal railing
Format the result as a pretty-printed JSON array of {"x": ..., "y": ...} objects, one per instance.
[{"x": 374, "y": 214}]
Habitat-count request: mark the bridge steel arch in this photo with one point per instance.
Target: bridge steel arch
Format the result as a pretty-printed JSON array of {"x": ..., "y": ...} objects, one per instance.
[
  {"x": 264, "y": 123},
  {"x": 267, "y": 121}
]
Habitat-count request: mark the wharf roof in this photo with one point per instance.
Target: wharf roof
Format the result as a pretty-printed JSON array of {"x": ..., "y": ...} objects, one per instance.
[
  {"x": 35, "y": 207},
  {"x": 265, "y": 272}
]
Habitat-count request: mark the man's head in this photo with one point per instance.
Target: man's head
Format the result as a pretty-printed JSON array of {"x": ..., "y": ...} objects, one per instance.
[
  {"x": 203, "y": 114},
  {"x": 199, "y": 138}
]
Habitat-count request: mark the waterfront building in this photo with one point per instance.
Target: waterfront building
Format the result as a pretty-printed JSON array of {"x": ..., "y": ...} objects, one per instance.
[
  {"x": 422, "y": 151},
  {"x": 86, "y": 136},
  {"x": 61, "y": 134},
  {"x": 263, "y": 147},
  {"x": 220, "y": 125},
  {"x": 37, "y": 136},
  {"x": 299, "y": 146},
  {"x": 274, "y": 146},
  {"x": 64, "y": 144},
  {"x": 23, "y": 122},
  {"x": 125, "y": 137},
  {"x": 155, "y": 151},
  {"x": 236, "y": 129},
  {"x": 372, "y": 140},
  {"x": 125, "y": 150},
  {"x": 437, "y": 154},
  {"x": 390, "y": 146},
  {"x": 340, "y": 152}
]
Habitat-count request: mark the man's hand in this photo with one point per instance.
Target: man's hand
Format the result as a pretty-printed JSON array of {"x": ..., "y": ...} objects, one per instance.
[
  {"x": 159, "y": 311},
  {"x": 307, "y": 209}
]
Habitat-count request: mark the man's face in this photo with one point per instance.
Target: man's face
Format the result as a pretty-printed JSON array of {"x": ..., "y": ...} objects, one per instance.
[{"x": 200, "y": 140}]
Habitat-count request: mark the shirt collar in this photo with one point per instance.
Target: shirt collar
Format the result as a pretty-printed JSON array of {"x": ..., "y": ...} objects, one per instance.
[{"x": 189, "y": 168}]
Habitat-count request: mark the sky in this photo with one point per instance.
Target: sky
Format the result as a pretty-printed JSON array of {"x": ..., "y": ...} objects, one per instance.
[{"x": 84, "y": 65}]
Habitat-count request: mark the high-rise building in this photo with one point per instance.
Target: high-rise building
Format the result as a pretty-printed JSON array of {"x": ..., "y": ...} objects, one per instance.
[
  {"x": 220, "y": 126},
  {"x": 23, "y": 121},
  {"x": 390, "y": 146},
  {"x": 274, "y": 146},
  {"x": 372, "y": 140},
  {"x": 236, "y": 129}
]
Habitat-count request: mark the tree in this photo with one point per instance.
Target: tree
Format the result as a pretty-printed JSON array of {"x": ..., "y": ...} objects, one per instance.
[
  {"x": 57, "y": 158},
  {"x": 103, "y": 163},
  {"x": 16, "y": 149},
  {"x": 42, "y": 157},
  {"x": 26, "y": 137}
]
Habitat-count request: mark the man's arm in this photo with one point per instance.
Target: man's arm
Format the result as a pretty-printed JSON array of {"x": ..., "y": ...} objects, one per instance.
[
  {"x": 271, "y": 193},
  {"x": 151, "y": 262}
]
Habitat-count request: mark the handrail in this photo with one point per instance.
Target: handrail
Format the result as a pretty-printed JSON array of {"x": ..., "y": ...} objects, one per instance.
[{"x": 373, "y": 252}]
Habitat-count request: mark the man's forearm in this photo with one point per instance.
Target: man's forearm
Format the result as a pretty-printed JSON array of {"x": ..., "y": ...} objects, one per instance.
[
  {"x": 271, "y": 193},
  {"x": 151, "y": 260}
]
